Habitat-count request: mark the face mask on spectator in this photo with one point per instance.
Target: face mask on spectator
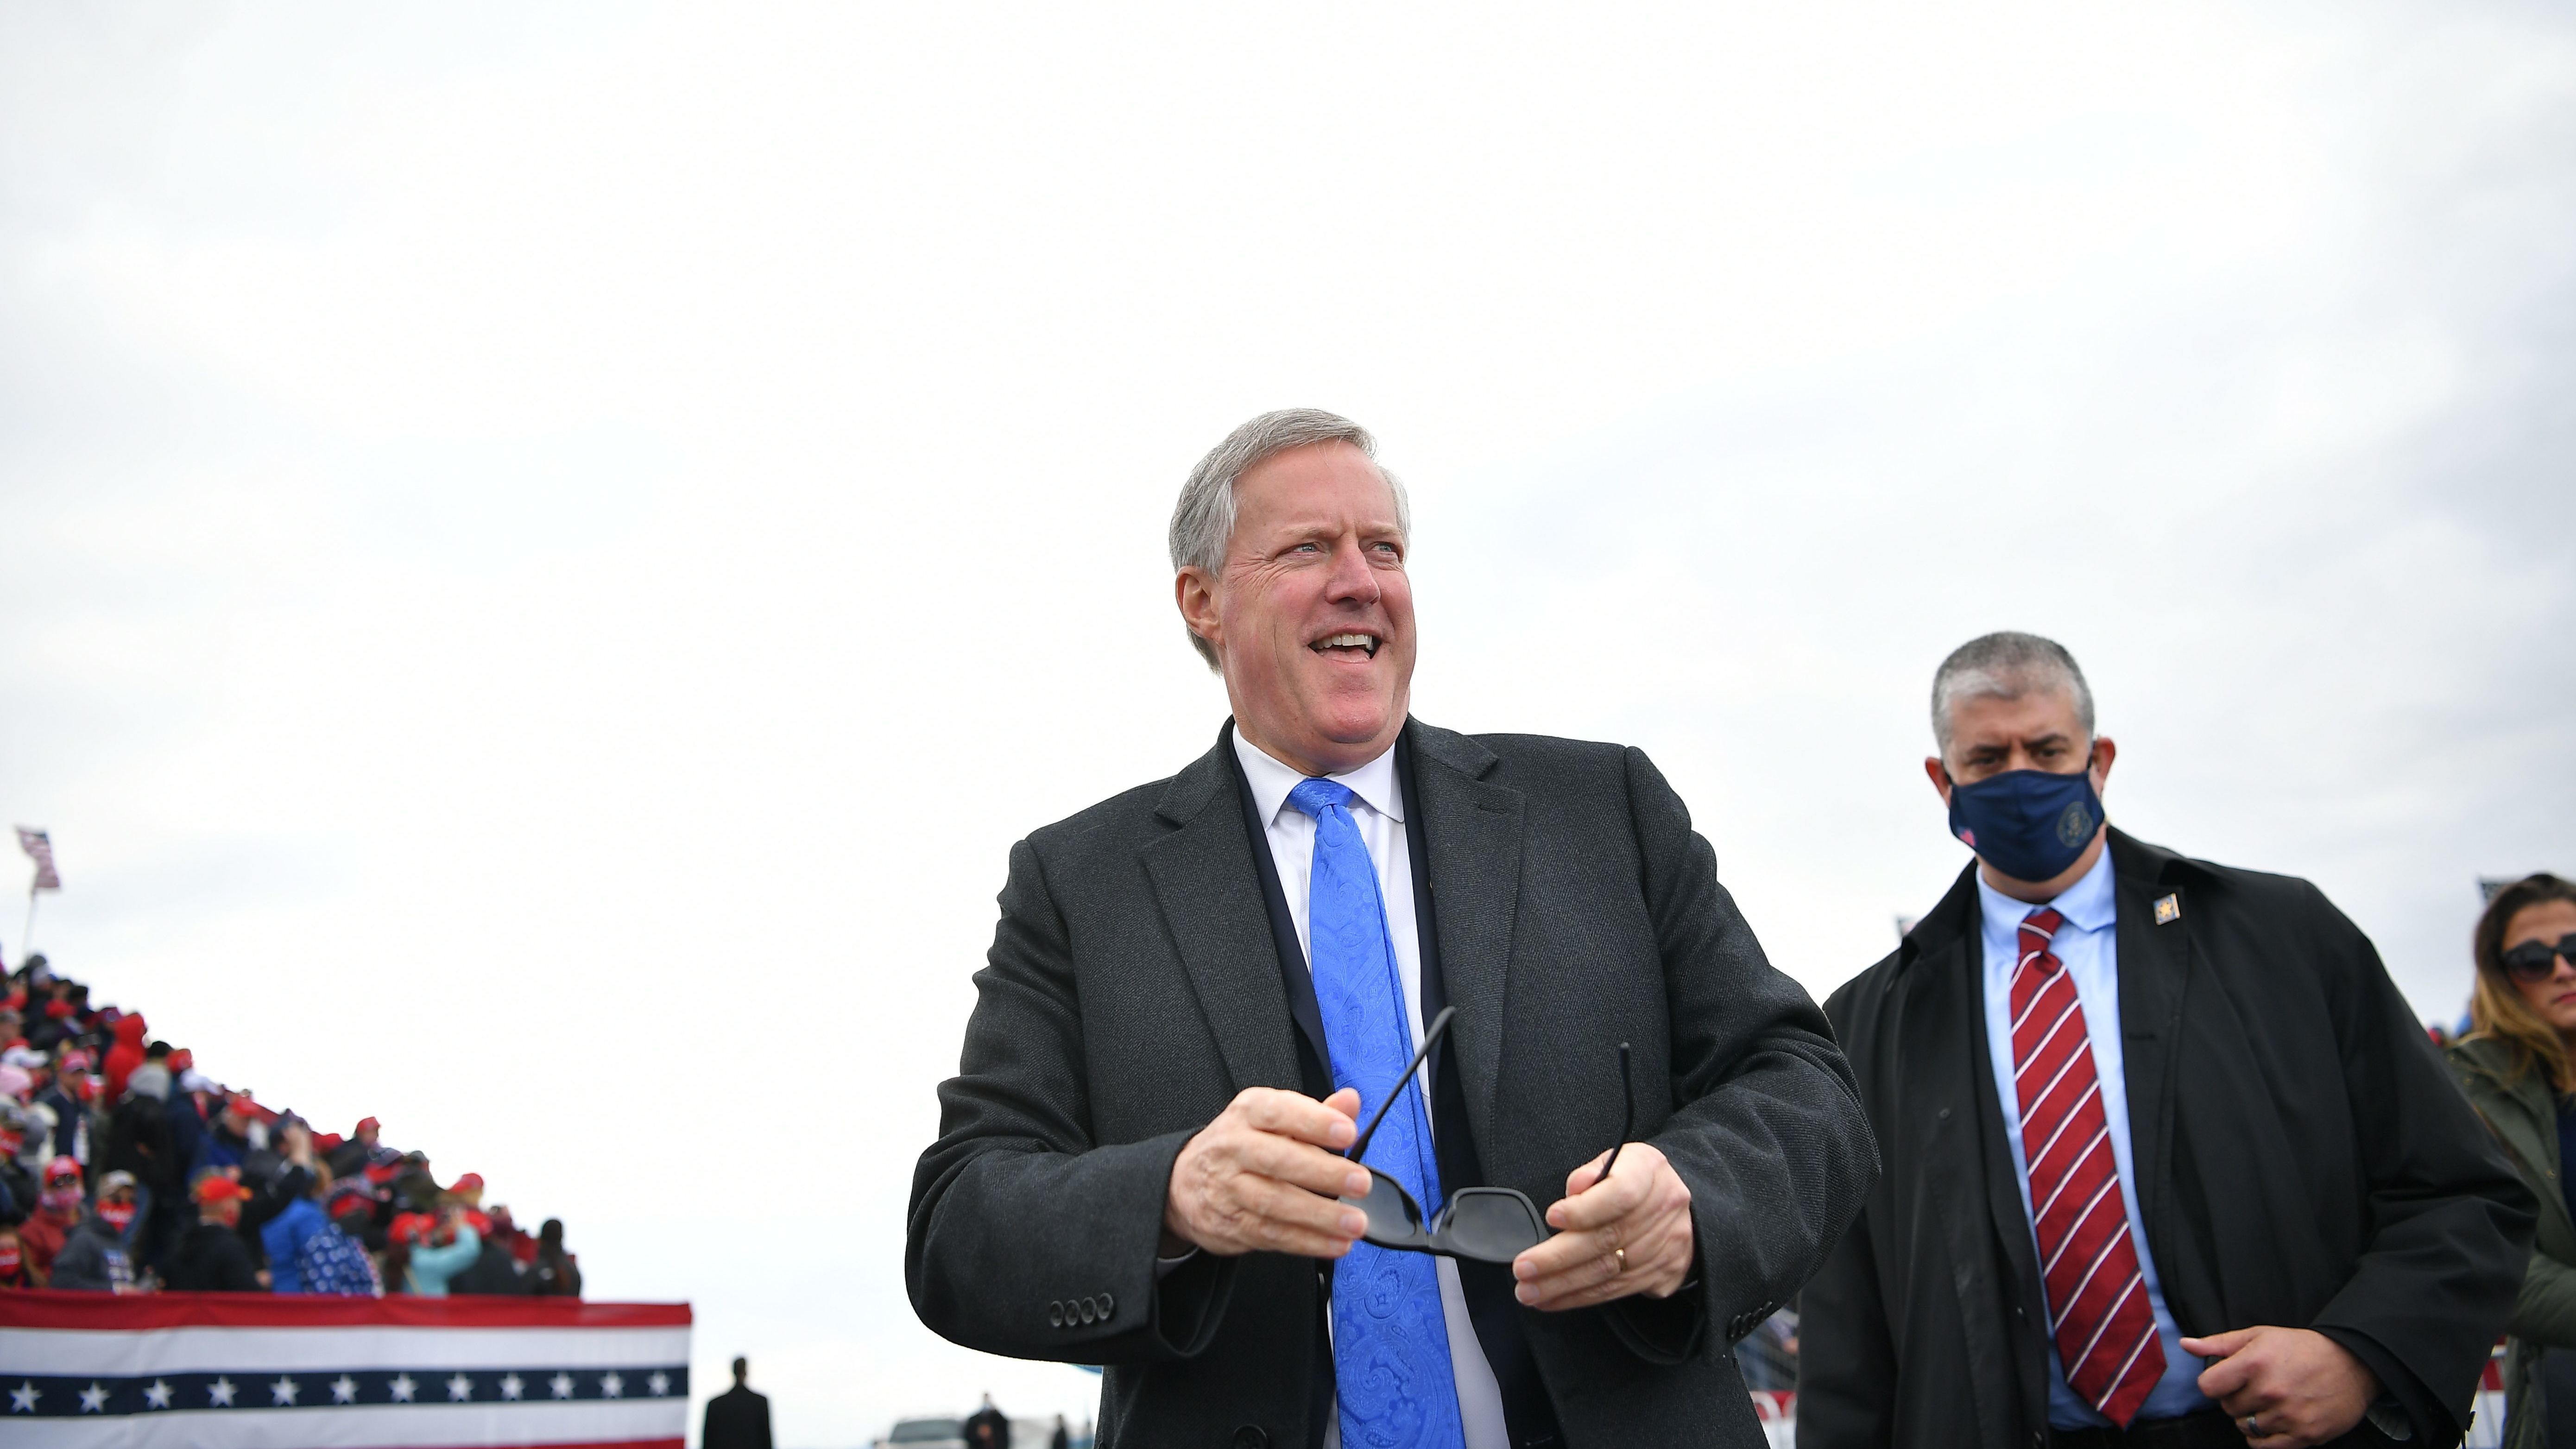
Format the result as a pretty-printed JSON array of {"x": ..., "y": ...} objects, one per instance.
[
  {"x": 10, "y": 1142},
  {"x": 117, "y": 1215},
  {"x": 60, "y": 1200},
  {"x": 8, "y": 1259}
]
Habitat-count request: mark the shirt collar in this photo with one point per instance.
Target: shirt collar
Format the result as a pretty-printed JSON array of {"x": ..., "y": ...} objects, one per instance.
[
  {"x": 1271, "y": 781},
  {"x": 2088, "y": 905}
]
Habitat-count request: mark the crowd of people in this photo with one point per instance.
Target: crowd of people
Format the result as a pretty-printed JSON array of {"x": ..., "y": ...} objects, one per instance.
[{"x": 126, "y": 1168}]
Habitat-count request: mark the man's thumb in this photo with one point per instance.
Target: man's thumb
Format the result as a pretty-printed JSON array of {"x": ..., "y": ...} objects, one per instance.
[{"x": 2218, "y": 1345}]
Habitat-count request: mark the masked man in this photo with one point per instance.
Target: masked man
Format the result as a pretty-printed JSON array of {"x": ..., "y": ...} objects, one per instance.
[
  {"x": 2169, "y": 1161},
  {"x": 1199, "y": 987}
]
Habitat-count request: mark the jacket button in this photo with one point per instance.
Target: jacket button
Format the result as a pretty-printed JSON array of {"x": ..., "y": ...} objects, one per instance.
[
  {"x": 1090, "y": 1310},
  {"x": 1250, "y": 1436},
  {"x": 1055, "y": 1314},
  {"x": 1108, "y": 1305}
]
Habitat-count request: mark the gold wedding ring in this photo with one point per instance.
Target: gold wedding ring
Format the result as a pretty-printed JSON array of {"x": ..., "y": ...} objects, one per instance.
[{"x": 1622, "y": 1255}]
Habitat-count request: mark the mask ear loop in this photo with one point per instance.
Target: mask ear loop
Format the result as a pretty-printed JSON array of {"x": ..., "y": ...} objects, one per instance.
[
  {"x": 1627, "y": 1088},
  {"x": 1439, "y": 1024}
]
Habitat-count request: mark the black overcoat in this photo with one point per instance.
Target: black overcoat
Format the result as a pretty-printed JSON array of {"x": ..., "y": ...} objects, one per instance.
[
  {"x": 1135, "y": 985},
  {"x": 2302, "y": 1159},
  {"x": 736, "y": 1419}
]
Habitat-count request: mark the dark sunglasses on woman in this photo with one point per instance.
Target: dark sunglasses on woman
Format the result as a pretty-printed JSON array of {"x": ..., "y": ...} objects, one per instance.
[
  {"x": 2538, "y": 960},
  {"x": 1488, "y": 1224}
]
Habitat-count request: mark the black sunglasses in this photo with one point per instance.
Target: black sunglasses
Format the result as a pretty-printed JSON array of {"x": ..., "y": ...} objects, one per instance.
[
  {"x": 1488, "y": 1224},
  {"x": 2538, "y": 960}
]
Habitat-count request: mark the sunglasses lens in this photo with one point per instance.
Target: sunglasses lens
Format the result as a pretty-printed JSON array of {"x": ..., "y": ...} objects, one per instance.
[
  {"x": 1393, "y": 1220},
  {"x": 2532, "y": 961},
  {"x": 1491, "y": 1225}
]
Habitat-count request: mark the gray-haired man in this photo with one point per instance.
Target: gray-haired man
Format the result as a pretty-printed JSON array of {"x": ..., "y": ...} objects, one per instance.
[
  {"x": 2170, "y": 1161},
  {"x": 1198, "y": 989}
]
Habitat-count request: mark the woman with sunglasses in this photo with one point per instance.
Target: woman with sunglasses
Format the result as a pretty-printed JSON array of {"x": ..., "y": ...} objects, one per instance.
[{"x": 2518, "y": 1065}]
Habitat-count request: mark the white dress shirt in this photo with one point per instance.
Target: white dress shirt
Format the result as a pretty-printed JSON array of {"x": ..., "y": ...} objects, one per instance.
[
  {"x": 1379, "y": 814},
  {"x": 2087, "y": 947}
]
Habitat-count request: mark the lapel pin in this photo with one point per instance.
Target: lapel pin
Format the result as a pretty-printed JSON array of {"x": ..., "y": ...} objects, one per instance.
[{"x": 2169, "y": 910}]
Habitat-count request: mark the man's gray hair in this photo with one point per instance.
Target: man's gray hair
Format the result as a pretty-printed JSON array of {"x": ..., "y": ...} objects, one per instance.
[
  {"x": 2005, "y": 665},
  {"x": 1203, "y": 520}
]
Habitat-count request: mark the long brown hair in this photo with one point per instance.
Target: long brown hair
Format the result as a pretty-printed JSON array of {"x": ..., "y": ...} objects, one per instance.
[{"x": 2497, "y": 1010}]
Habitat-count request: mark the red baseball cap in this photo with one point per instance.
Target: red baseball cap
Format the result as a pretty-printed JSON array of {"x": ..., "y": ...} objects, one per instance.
[{"x": 214, "y": 1187}]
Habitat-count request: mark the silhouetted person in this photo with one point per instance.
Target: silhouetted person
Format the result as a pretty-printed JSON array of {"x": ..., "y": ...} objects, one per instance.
[
  {"x": 737, "y": 1418},
  {"x": 987, "y": 1429},
  {"x": 1062, "y": 1438}
]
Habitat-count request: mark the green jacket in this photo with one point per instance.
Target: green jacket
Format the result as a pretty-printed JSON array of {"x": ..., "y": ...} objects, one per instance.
[{"x": 2524, "y": 1118}]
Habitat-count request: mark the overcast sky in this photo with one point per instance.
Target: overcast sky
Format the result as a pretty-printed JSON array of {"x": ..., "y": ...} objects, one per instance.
[{"x": 550, "y": 550}]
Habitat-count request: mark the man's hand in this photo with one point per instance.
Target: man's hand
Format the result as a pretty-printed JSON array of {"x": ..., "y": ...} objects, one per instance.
[
  {"x": 2297, "y": 1385},
  {"x": 1259, "y": 1178},
  {"x": 1643, "y": 1210}
]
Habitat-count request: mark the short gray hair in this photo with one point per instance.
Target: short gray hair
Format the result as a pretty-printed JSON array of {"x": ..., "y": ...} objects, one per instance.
[
  {"x": 2005, "y": 665},
  {"x": 1203, "y": 519}
]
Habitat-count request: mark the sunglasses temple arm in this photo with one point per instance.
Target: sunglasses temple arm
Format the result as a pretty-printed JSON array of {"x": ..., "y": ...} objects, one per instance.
[
  {"x": 1628, "y": 1086},
  {"x": 1439, "y": 1024}
]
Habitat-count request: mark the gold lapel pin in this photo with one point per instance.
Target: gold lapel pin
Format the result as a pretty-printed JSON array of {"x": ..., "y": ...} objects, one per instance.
[{"x": 2169, "y": 910}]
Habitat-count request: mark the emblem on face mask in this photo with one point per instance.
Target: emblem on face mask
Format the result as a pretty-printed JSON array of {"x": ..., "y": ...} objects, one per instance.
[{"x": 2075, "y": 826}]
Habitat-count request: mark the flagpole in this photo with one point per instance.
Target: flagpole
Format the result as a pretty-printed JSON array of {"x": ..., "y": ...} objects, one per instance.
[{"x": 27, "y": 935}]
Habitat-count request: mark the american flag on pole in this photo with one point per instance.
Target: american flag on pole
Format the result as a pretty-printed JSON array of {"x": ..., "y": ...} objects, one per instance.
[
  {"x": 40, "y": 849},
  {"x": 251, "y": 1370}
]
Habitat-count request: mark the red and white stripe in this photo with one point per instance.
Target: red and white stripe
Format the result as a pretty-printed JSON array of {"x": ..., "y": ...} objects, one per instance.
[{"x": 622, "y": 1369}]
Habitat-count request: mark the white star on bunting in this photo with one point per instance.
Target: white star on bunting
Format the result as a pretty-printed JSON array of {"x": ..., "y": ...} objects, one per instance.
[
  {"x": 460, "y": 1388},
  {"x": 402, "y": 1387},
  {"x": 512, "y": 1386},
  {"x": 157, "y": 1396},
  {"x": 93, "y": 1399},
  {"x": 219, "y": 1394},
  {"x": 660, "y": 1383},
  {"x": 611, "y": 1385},
  {"x": 344, "y": 1390},
  {"x": 283, "y": 1391},
  {"x": 562, "y": 1385},
  {"x": 22, "y": 1399}
]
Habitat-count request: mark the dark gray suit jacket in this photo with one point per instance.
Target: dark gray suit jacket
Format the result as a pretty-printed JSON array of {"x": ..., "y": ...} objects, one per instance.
[{"x": 1135, "y": 986}]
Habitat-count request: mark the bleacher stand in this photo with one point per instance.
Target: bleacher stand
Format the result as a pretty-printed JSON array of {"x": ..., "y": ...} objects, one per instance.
[{"x": 126, "y": 1168}]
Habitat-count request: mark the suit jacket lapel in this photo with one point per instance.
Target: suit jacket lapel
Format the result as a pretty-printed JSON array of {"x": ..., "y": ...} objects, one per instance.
[
  {"x": 2155, "y": 967},
  {"x": 1204, "y": 880},
  {"x": 1947, "y": 1026},
  {"x": 1472, "y": 838}
]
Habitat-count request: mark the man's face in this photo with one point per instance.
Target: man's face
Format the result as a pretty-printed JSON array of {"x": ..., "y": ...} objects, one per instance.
[
  {"x": 227, "y": 1212},
  {"x": 1312, "y": 620},
  {"x": 2037, "y": 731}
]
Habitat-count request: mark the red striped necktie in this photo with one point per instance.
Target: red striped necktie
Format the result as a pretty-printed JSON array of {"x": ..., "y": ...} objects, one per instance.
[{"x": 2097, "y": 1298}]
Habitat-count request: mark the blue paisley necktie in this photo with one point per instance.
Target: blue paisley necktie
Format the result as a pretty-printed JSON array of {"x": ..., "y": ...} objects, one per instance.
[{"x": 1390, "y": 1343}]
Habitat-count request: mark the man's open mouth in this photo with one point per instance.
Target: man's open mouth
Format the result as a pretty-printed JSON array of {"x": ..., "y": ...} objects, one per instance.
[{"x": 1347, "y": 646}]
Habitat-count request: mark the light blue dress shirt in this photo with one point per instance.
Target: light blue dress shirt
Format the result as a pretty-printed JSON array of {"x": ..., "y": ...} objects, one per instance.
[{"x": 2087, "y": 947}]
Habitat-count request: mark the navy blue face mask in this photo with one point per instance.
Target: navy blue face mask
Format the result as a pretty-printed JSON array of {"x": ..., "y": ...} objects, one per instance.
[{"x": 2028, "y": 824}]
